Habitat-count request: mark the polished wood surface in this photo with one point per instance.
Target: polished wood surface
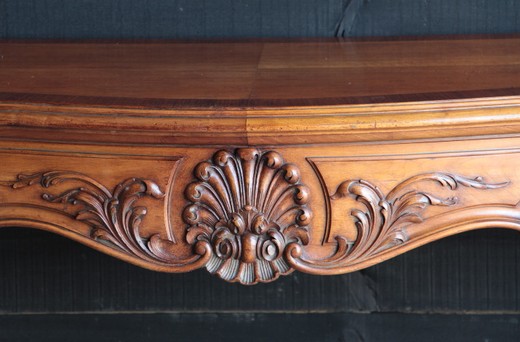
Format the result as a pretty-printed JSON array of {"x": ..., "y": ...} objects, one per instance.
[
  {"x": 253, "y": 159},
  {"x": 262, "y": 73}
]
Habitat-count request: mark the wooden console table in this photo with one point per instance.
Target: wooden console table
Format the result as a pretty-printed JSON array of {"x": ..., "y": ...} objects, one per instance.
[{"x": 254, "y": 159}]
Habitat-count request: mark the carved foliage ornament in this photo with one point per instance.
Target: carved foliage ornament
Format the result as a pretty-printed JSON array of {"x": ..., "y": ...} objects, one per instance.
[
  {"x": 247, "y": 216},
  {"x": 249, "y": 205},
  {"x": 381, "y": 226},
  {"x": 113, "y": 215},
  {"x": 383, "y": 223}
]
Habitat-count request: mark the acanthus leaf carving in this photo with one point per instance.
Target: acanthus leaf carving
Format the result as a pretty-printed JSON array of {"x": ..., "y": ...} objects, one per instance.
[
  {"x": 248, "y": 216},
  {"x": 248, "y": 205},
  {"x": 382, "y": 225},
  {"x": 113, "y": 216}
]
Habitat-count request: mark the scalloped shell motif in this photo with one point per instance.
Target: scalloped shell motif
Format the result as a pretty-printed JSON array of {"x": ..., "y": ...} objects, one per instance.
[{"x": 248, "y": 205}]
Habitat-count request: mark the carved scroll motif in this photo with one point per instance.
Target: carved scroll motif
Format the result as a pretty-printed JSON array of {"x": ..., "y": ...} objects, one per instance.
[
  {"x": 383, "y": 224},
  {"x": 249, "y": 205},
  {"x": 113, "y": 215},
  {"x": 248, "y": 217}
]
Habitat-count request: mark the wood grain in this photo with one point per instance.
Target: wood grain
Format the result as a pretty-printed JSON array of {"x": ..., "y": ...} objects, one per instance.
[
  {"x": 255, "y": 159},
  {"x": 266, "y": 72}
]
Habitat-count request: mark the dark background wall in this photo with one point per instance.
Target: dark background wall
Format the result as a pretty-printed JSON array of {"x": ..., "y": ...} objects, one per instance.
[
  {"x": 192, "y": 19},
  {"x": 464, "y": 288}
]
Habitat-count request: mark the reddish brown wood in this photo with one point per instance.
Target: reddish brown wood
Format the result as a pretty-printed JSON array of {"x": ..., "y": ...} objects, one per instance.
[
  {"x": 257, "y": 158},
  {"x": 248, "y": 205},
  {"x": 259, "y": 73}
]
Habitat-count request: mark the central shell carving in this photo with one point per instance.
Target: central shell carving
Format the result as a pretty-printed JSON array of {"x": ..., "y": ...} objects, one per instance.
[{"x": 248, "y": 205}]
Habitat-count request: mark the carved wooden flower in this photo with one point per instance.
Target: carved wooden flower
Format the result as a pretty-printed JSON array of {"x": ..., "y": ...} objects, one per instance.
[{"x": 249, "y": 205}]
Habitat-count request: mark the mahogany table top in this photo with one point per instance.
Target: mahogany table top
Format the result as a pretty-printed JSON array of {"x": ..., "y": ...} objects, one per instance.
[{"x": 262, "y": 73}]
